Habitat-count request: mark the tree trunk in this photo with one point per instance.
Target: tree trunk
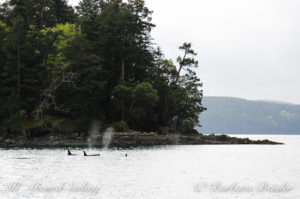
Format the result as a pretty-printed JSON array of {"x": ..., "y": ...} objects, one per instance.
[
  {"x": 180, "y": 67},
  {"x": 123, "y": 82},
  {"x": 19, "y": 71}
]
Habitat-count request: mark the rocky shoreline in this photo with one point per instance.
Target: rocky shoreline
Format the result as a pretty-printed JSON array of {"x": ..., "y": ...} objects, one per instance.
[{"x": 125, "y": 139}]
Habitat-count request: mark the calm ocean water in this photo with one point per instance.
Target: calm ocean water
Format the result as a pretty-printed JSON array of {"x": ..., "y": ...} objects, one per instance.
[{"x": 204, "y": 171}]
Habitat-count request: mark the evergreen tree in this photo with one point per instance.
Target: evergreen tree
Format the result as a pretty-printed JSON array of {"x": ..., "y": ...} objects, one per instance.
[
  {"x": 188, "y": 89},
  {"x": 63, "y": 69},
  {"x": 25, "y": 73},
  {"x": 41, "y": 14}
]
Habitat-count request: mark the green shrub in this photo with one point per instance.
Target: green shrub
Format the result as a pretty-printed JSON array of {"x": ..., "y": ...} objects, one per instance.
[
  {"x": 121, "y": 126},
  {"x": 187, "y": 127}
]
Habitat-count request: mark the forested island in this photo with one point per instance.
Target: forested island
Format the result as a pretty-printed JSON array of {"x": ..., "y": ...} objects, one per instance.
[{"x": 62, "y": 68}]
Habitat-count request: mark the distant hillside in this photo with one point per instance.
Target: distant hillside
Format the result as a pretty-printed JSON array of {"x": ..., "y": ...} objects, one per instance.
[{"x": 234, "y": 115}]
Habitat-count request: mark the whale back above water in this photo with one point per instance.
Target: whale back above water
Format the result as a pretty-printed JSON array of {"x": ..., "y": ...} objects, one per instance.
[{"x": 84, "y": 153}]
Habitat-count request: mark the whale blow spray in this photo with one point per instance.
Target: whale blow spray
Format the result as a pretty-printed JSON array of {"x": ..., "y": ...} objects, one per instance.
[
  {"x": 107, "y": 137},
  {"x": 94, "y": 133}
]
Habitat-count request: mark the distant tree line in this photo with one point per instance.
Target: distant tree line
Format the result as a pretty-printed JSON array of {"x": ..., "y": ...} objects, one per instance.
[
  {"x": 61, "y": 68},
  {"x": 239, "y": 116}
]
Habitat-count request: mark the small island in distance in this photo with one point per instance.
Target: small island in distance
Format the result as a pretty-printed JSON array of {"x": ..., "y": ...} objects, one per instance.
[{"x": 65, "y": 68}]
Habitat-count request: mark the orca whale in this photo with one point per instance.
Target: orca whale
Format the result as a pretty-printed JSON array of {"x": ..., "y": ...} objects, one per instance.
[
  {"x": 84, "y": 153},
  {"x": 69, "y": 152}
]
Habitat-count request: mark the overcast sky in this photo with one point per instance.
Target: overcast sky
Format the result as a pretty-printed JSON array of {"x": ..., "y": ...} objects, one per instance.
[{"x": 246, "y": 48}]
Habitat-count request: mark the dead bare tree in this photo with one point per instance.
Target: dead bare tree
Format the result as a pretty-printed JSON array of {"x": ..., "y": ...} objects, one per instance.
[{"x": 49, "y": 97}]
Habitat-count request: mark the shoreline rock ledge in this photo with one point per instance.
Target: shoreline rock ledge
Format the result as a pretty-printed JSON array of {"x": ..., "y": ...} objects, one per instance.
[{"x": 125, "y": 139}]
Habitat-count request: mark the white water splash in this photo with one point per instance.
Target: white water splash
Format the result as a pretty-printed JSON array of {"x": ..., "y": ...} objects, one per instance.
[{"x": 107, "y": 137}]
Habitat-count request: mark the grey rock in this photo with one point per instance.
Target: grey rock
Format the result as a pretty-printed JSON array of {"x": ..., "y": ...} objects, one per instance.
[
  {"x": 53, "y": 138},
  {"x": 7, "y": 141}
]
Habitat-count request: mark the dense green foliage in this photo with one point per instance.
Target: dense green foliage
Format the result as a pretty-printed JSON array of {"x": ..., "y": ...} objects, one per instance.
[
  {"x": 62, "y": 68},
  {"x": 234, "y": 115}
]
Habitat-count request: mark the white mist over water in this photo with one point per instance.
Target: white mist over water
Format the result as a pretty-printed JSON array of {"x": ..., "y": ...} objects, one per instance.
[
  {"x": 107, "y": 137},
  {"x": 94, "y": 133}
]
